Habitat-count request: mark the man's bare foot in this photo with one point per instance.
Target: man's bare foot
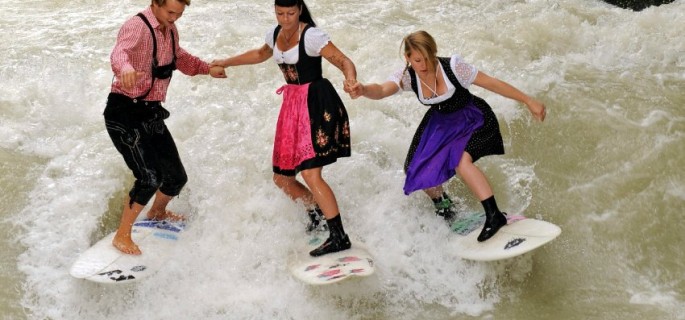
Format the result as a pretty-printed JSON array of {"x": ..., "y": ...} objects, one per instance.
[
  {"x": 125, "y": 245},
  {"x": 166, "y": 215}
]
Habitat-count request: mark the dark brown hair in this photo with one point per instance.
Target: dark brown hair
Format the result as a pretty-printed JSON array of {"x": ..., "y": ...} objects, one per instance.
[{"x": 305, "y": 16}]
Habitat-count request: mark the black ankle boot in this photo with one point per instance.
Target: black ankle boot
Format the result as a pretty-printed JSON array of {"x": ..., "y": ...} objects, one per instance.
[
  {"x": 494, "y": 219},
  {"x": 316, "y": 221},
  {"x": 444, "y": 207},
  {"x": 337, "y": 239}
]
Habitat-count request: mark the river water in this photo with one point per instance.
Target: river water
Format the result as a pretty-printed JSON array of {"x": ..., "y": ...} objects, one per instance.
[{"x": 606, "y": 165}]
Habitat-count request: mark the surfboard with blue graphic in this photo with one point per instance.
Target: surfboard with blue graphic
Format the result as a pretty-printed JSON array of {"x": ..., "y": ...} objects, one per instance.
[
  {"x": 105, "y": 264},
  {"x": 519, "y": 236}
]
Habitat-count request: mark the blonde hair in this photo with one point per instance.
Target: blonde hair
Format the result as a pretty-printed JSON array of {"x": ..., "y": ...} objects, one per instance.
[
  {"x": 162, "y": 2},
  {"x": 424, "y": 43}
]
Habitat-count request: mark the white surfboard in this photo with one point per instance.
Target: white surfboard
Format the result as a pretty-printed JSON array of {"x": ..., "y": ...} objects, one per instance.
[
  {"x": 519, "y": 236},
  {"x": 105, "y": 264},
  {"x": 332, "y": 267}
]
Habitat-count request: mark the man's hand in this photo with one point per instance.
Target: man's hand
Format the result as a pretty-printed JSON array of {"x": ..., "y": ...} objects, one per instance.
[
  {"x": 128, "y": 79},
  {"x": 217, "y": 72}
]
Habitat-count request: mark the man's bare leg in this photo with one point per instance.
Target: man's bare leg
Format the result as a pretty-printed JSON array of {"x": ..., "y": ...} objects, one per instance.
[
  {"x": 122, "y": 239},
  {"x": 158, "y": 210}
]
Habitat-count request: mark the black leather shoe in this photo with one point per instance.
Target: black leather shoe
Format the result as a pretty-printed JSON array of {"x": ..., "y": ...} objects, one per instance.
[
  {"x": 444, "y": 207},
  {"x": 317, "y": 222},
  {"x": 447, "y": 213},
  {"x": 493, "y": 222},
  {"x": 332, "y": 245}
]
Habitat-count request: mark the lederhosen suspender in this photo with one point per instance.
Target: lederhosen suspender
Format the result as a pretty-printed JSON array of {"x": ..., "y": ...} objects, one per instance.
[{"x": 154, "y": 53}]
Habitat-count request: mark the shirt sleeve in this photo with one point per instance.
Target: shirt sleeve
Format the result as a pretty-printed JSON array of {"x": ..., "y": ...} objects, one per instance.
[
  {"x": 464, "y": 72},
  {"x": 188, "y": 63},
  {"x": 128, "y": 40},
  {"x": 314, "y": 40}
]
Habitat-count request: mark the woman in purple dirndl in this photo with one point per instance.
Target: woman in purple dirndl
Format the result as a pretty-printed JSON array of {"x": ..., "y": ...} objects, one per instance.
[
  {"x": 313, "y": 128},
  {"x": 458, "y": 128}
]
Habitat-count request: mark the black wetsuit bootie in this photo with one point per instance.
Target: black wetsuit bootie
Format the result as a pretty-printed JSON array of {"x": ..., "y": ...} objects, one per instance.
[
  {"x": 317, "y": 222},
  {"x": 337, "y": 239},
  {"x": 444, "y": 207},
  {"x": 494, "y": 219}
]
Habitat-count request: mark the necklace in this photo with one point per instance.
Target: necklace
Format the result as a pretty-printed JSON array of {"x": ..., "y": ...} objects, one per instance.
[
  {"x": 435, "y": 85},
  {"x": 287, "y": 38}
]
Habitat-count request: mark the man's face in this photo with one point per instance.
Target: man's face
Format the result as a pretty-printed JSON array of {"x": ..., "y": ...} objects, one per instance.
[{"x": 169, "y": 12}]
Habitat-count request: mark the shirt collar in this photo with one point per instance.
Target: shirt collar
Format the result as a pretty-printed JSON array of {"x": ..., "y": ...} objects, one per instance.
[{"x": 151, "y": 17}]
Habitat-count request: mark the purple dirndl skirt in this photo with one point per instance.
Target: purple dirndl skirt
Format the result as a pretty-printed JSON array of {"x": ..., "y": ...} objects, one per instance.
[{"x": 441, "y": 144}]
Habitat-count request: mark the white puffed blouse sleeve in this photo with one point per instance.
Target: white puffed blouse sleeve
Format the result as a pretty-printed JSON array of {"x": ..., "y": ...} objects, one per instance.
[
  {"x": 314, "y": 40},
  {"x": 465, "y": 73},
  {"x": 269, "y": 37},
  {"x": 402, "y": 79}
]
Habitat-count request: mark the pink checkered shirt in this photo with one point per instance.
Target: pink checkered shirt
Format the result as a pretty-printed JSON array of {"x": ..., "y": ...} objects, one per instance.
[{"x": 133, "y": 51}]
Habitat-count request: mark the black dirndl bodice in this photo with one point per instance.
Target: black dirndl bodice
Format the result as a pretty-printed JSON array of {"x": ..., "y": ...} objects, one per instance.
[
  {"x": 329, "y": 123},
  {"x": 486, "y": 140}
]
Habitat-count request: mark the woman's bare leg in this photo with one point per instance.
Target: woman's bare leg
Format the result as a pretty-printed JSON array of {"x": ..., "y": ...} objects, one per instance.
[
  {"x": 294, "y": 189},
  {"x": 434, "y": 192},
  {"x": 324, "y": 197},
  {"x": 479, "y": 185},
  {"x": 321, "y": 192},
  {"x": 474, "y": 178}
]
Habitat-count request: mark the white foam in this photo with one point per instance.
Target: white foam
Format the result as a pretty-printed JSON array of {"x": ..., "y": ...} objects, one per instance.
[{"x": 230, "y": 264}]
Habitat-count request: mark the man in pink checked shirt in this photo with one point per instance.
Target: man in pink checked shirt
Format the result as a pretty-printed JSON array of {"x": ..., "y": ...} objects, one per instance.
[{"x": 143, "y": 59}]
